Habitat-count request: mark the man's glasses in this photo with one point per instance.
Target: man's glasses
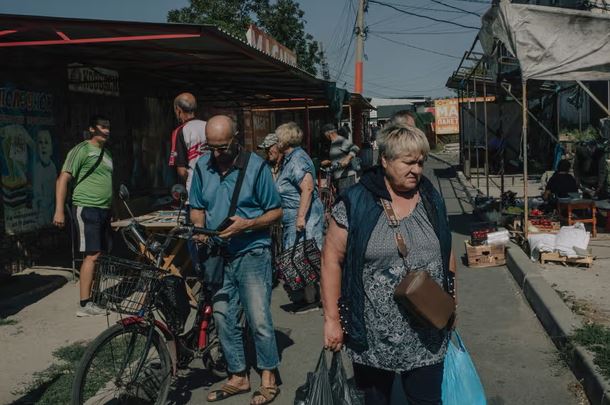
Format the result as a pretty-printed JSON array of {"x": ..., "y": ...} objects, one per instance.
[{"x": 217, "y": 148}]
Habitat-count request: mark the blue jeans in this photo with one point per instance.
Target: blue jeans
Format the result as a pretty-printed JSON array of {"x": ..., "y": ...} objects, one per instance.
[
  {"x": 314, "y": 223},
  {"x": 247, "y": 283}
]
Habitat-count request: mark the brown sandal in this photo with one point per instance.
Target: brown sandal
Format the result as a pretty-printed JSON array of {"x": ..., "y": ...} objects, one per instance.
[
  {"x": 269, "y": 393},
  {"x": 226, "y": 391}
]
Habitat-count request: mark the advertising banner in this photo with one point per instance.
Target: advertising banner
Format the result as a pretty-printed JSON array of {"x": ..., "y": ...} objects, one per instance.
[
  {"x": 447, "y": 118},
  {"x": 27, "y": 159}
]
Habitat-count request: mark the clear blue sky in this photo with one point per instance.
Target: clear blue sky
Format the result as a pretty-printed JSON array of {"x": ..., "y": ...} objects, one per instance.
[{"x": 391, "y": 69}]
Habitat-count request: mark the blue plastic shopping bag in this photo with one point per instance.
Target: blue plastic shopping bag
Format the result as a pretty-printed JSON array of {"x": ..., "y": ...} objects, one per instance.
[{"x": 461, "y": 383}]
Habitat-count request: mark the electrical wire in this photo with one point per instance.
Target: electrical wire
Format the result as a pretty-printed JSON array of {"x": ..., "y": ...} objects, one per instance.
[
  {"x": 420, "y": 33},
  {"x": 475, "y": 1},
  {"x": 421, "y": 15},
  {"x": 347, "y": 52},
  {"x": 416, "y": 47},
  {"x": 430, "y": 9},
  {"x": 455, "y": 8}
]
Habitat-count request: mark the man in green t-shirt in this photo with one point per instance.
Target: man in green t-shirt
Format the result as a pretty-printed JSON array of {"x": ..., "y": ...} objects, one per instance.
[{"x": 89, "y": 165}]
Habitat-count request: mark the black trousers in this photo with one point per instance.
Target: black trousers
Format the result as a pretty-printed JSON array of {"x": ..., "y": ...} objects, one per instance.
[{"x": 422, "y": 386}]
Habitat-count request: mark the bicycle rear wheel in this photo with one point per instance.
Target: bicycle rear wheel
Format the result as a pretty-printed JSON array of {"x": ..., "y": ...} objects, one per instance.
[{"x": 108, "y": 371}]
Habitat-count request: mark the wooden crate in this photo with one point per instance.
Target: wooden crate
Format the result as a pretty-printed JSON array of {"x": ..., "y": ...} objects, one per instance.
[
  {"x": 554, "y": 228},
  {"x": 485, "y": 255},
  {"x": 555, "y": 257}
]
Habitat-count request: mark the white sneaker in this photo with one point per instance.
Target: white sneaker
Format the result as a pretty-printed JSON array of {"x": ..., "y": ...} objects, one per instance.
[{"x": 90, "y": 309}]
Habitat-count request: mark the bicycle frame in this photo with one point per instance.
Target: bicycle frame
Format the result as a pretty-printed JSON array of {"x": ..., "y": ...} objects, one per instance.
[{"x": 154, "y": 252}]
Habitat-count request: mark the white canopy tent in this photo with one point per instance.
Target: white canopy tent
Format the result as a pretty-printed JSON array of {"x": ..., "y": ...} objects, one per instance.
[{"x": 550, "y": 43}]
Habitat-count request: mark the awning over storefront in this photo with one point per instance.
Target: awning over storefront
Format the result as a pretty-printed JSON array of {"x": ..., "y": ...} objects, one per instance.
[
  {"x": 550, "y": 43},
  {"x": 156, "y": 58}
]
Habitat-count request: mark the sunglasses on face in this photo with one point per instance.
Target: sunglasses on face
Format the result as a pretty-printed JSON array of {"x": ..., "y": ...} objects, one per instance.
[{"x": 218, "y": 148}]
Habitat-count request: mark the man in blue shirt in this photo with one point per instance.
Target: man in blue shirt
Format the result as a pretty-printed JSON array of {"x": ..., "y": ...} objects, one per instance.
[{"x": 247, "y": 270}]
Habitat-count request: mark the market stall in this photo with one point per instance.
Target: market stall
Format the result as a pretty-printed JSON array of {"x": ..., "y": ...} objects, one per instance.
[{"x": 527, "y": 52}]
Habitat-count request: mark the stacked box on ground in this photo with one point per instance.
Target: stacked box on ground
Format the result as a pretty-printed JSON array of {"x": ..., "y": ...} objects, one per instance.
[{"x": 485, "y": 255}]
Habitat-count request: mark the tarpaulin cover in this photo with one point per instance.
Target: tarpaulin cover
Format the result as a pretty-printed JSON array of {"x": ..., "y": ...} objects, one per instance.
[{"x": 550, "y": 43}]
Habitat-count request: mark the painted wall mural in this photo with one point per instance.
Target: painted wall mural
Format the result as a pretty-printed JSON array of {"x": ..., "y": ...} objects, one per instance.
[{"x": 27, "y": 159}]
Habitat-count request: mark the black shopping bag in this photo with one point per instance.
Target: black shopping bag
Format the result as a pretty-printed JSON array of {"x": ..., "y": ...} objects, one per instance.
[
  {"x": 317, "y": 389},
  {"x": 344, "y": 391},
  {"x": 299, "y": 265}
]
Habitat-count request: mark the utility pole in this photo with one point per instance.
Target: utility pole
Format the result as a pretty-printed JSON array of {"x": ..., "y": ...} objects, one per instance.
[{"x": 360, "y": 36}]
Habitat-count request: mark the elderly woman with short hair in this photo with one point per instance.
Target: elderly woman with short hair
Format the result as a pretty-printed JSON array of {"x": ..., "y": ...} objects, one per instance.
[
  {"x": 301, "y": 205},
  {"x": 361, "y": 267}
]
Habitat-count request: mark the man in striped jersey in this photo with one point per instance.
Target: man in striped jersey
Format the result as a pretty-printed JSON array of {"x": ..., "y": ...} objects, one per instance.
[
  {"x": 188, "y": 139},
  {"x": 89, "y": 165}
]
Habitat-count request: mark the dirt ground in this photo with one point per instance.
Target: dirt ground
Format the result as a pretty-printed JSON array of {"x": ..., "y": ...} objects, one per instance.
[{"x": 36, "y": 331}]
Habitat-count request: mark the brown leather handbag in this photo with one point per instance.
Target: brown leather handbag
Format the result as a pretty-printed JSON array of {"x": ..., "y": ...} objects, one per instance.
[
  {"x": 422, "y": 297},
  {"x": 418, "y": 293}
]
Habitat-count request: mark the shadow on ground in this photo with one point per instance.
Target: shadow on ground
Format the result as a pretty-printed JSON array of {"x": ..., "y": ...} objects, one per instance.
[
  {"x": 196, "y": 376},
  {"x": 22, "y": 290},
  {"x": 445, "y": 172}
]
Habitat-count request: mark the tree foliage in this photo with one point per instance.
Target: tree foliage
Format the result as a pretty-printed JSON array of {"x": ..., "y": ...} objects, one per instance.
[{"x": 282, "y": 19}]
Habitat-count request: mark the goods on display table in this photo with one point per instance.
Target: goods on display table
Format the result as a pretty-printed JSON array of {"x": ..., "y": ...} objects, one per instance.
[{"x": 568, "y": 246}]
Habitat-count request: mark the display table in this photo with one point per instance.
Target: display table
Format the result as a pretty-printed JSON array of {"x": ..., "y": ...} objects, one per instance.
[
  {"x": 569, "y": 206},
  {"x": 604, "y": 206}
]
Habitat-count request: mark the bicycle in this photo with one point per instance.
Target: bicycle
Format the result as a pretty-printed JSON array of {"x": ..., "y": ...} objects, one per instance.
[
  {"x": 328, "y": 192},
  {"x": 134, "y": 360}
]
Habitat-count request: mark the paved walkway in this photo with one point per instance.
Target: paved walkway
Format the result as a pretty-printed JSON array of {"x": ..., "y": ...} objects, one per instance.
[{"x": 517, "y": 362}]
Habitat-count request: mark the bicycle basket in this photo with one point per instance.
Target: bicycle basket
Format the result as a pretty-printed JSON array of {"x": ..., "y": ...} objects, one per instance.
[{"x": 123, "y": 286}]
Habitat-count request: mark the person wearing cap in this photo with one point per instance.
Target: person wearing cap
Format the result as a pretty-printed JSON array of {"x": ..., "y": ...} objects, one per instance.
[
  {"x": 273, "y": 156},
  {"x": 340, "y": 155}
]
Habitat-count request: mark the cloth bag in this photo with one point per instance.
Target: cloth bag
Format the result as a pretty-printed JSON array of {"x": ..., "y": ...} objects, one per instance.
[
  {"x": 461, "y": 383},
  {"x": 299, "y": 265}
]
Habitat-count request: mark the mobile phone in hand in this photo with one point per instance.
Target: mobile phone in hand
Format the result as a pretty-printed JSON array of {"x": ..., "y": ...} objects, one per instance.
[{"x": 225, "y": 224}]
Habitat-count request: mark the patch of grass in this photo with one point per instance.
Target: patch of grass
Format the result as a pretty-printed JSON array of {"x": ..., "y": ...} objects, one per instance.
[
  {"x": 6, "y": 322},
  {"x": 596, "y": 338},
  {"x": 54, "y": 385}
]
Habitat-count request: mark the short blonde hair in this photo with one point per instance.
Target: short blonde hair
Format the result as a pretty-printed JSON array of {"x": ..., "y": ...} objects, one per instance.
[
  {"x": 288, "y": 134},
  {"x": 397, "y": 140}
]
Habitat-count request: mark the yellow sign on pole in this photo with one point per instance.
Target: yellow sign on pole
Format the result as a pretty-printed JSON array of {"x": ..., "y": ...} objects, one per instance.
[{"x": 447, "y": 117}]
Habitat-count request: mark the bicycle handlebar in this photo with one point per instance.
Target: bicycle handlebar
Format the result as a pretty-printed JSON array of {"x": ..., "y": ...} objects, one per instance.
[{"x": 158, "y": 249}]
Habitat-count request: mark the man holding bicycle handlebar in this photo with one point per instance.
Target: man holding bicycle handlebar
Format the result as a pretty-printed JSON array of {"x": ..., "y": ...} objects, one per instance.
[
  {"x": 342, "y": 152},
  {"x": 247, "y": 266}
]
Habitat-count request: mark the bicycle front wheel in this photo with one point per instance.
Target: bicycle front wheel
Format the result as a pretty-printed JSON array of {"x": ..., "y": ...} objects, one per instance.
[{"x": 124, "y": 365}]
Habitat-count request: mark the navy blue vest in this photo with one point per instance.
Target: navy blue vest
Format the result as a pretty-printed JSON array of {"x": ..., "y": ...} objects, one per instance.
[{"x": 363, "y": 211}]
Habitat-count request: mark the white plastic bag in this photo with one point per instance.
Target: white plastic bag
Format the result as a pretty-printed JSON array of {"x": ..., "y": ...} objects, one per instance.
[
  {"x": 572, "y": 238},
  {"x": 541, "y": 242}
]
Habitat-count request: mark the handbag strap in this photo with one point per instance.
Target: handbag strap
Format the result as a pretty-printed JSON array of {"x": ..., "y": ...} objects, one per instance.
[
  {"x": 394, "y": 223},
  {"x": 238, "y": 184}
]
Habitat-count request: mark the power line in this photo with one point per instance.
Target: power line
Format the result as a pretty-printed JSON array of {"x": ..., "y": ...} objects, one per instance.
[
  {"x": 416, "y": 47},
  {"x": 421, "y": 33},
  {"x": 420, "y": 15},
  {"x": 347, "y": 51},
  {"x": 475, "y": 1},
  {"x": 455, "y": 8},
  {"x": 430, "y": 9}
]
